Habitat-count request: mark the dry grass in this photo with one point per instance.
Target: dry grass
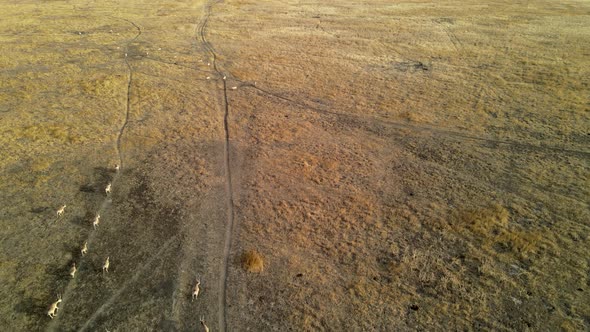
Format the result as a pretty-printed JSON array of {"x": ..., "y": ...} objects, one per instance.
[
  {"x": 491, "y": 227},
  {"x": 378, "y": 219},
  {"x": 252, "y": 261}
]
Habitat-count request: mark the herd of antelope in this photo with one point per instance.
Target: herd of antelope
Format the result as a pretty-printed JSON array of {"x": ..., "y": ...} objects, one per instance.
[{"x": 54, "y": 307}]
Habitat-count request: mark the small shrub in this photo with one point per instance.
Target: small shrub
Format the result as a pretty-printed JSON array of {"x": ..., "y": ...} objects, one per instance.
[{"x": 252, "y": 261}]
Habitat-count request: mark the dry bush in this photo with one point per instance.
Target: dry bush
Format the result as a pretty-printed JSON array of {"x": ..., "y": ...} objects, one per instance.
[
  {"x": 252, "y": 261},
  {"x": 485, "y": 221},
  {"x": 491, "y": 226}
]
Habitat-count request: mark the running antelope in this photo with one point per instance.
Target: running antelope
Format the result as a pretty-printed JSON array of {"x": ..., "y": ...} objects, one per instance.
[
  {"x": 84, "y": 249},
  {"x": 196, "y": 289},
  {"x": 203, "y": 323},
  {"x": 53, "y": 308},
  {"x": 96, "y": 221},
  {"x": 105, "y": 266},
  {"x": 61, "y": 210},
  {"x": 107, "y": 190},
  {"x": 73, "y": 270}
]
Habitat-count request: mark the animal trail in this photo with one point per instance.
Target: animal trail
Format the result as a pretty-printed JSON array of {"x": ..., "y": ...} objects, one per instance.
[{"x": 222, "y": 316}]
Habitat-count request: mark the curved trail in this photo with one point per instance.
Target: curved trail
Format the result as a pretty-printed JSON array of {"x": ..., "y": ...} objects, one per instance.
[
  {"x": 222, "y": 315},
  {"x": 53, "y": 326},
  {"x": 129, "y": 82}
]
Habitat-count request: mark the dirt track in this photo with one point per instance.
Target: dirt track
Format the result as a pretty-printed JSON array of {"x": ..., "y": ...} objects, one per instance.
[{"x": 399, "y": 165}]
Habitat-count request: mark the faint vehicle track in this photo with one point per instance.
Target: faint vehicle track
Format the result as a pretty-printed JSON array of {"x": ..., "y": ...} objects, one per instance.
[
  {"x": 176, "y": 63},
  {"x": 201, "y": 31},
  {"x": 417, "y": 127},
  {"x": 139, "y": 271},
  {"x": 365, "y": 121}
]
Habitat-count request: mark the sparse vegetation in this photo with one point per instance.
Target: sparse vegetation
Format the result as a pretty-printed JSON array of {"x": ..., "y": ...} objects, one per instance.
[{"x": 367, "y": 142}]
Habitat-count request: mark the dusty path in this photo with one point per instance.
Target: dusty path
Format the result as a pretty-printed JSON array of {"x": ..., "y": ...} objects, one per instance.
[
  {"x": 128, "y": 102},
  {"x": 202, "y": 32}
]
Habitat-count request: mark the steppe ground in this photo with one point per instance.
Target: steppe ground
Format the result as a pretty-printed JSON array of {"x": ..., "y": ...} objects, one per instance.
[{"x": 399, "y": 165}]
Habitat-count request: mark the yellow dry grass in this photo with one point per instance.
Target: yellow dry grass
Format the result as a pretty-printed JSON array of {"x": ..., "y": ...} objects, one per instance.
[
  {"x": 252, "y": 261},
  {"x": 491, "y": 227}
]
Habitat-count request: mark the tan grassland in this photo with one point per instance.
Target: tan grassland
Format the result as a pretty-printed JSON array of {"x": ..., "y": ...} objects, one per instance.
[{"x": 374, "y": 165}]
